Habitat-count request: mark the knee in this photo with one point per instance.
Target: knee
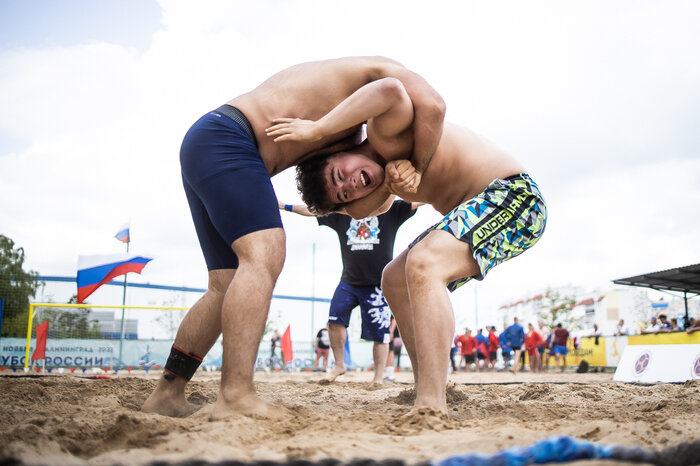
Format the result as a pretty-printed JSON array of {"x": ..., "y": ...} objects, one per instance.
[
  {"x": 219, "y": 280},
  {"x": 275, "y": 260},
  {"x": 392, "y": 275},
  {"x": 265, "y": 254},
  {"x": 422, "y": 264}
]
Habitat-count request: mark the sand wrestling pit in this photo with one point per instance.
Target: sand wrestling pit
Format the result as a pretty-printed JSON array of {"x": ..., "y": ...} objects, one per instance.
[{"x": 72, "y": 420}]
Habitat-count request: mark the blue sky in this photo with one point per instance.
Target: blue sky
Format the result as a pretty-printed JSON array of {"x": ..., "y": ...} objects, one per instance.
[
  {"x": 599, "y": 100},
  {"x": 47, "y": 23}
]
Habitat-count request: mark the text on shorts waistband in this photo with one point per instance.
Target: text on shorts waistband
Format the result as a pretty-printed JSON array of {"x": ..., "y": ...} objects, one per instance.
[{"x": 238, "y": 116}]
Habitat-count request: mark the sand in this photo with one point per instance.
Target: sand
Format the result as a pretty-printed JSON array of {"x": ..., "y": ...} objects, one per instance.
[{"x": 71, "y": 420}]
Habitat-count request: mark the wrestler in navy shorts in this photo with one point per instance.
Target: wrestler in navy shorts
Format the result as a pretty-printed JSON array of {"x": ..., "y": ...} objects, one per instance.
[{"x": 227, "y": 185}]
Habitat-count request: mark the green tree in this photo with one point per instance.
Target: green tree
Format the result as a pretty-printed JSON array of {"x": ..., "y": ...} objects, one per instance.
[
  {"x": 16, "y": 285},
  {"x": 68, "y": 322},
  {"x": 170, "y": 319},
  {"x": 556, "y": 308}
]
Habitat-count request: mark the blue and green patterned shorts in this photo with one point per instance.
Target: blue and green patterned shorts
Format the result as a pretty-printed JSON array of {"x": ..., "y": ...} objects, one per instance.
[{"x": 501, "y": 222}]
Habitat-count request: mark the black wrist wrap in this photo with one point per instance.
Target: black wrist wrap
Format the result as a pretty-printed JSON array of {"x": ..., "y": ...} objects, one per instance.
[{"x": 181, "y": 364}]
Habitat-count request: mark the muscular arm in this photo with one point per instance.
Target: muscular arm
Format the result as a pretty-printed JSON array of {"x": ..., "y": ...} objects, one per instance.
[
  {"x": 384, "y": 100},
  {"x": 380, "y": 97},
  {"x": 349, "y": 141},
  {"x": 429, "y": 115},
  {"x": 376, "y": 203}
]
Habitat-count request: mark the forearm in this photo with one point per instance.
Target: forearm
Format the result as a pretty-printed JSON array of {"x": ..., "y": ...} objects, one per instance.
[
  {"x": 377, "y": 202},
  {"x": 296, "y": 208},
  {"x": 349, "y": 141},
  {"x": 369, "y": 101}
]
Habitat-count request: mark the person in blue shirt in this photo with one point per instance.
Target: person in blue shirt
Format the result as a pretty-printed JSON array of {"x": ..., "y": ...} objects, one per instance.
[
  {"x": 516, "y": 337},
  {"x": 481, "y": 349},
  {"x": 505, "y": 348}
]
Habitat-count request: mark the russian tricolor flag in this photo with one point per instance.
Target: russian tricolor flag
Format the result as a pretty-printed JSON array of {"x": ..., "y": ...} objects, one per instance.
[
  {"x": 95, "y": 271},
  {"x": 123, "y": 234}
]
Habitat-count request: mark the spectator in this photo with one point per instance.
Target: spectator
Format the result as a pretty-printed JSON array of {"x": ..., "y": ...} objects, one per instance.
[
  {"x": 653, "y": 327},
  {"x": 560, "y": 342},
  {"x": 453, "y": 352},
  {"x": 397, "y": 346},
  {"x": 274, "y": 344},
  {"x": 393, "y": 359},
  {"x": 549, "y": 343},
  {"x": 533, "y": 341},
  {"x": 481, "y": 349},
  {"x": 595, "y": 334},
  {"x": 493, "y": 348},
  {"x": 467, "y": 347},
  {"x": 674, "y": 325},
  {"x": 544, "y": 333},
  {"x": 505, "y": 348},
  {"x": 516, "y": 337},
  {"x": 323, "y": 343},
  {"x": 621, "y": 329},
  {"x": 664, "y": 325},
  {"x": 693, "y": 325}
]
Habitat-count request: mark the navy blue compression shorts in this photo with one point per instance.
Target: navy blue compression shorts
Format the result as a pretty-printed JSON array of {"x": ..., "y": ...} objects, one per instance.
[
  {"x": 375, "y": 312},
  {"x": 227, "y": 185}
]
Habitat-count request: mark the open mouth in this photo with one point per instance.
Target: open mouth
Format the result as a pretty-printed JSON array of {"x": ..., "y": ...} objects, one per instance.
[{"x": 364, "y": 178}]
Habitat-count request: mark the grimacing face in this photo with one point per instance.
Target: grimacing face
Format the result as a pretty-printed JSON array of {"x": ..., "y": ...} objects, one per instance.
[{"x": 351, "y": 176}]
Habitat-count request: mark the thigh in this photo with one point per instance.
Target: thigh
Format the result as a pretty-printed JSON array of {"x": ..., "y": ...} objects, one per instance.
[
  {"x": 216, "y": 250},
  {"x": 223, "y": 170},
  {"x": 240, "y": 201},
  {"x": 342, "y": 304},
  {"x": 443, "y": 255}
]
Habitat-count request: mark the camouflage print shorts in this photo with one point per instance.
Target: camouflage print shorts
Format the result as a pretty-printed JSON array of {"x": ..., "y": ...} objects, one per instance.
[{"x": 501, "y": 222}]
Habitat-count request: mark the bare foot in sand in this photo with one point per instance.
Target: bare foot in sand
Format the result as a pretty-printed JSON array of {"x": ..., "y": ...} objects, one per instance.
[
  {"x": 247, "y": 405},
  {"x": 425, "y": 411},
  {"x": 168, "y": 404},
  {"x": 334, "y": 374}
]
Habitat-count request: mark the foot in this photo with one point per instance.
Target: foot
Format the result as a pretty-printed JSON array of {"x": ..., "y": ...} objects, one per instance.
[
  {"x": 422, "y": 411},
  {"x": 335, "y": 373},
  {"x": 167, "y": 405},
  {"x": 246, "y": 405}
]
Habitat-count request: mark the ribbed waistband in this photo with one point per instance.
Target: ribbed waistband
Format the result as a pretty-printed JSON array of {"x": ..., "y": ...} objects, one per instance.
[{"x": 238, "y": 116}]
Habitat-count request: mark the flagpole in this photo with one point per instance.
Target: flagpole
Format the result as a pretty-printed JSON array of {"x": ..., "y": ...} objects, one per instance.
[
  {"x": 313, "y": 286},
  {"x": 121, "y": 333}
]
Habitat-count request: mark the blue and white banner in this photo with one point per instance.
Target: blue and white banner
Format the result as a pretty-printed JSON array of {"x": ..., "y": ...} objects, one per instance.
[{"x": 659, "y": 363}]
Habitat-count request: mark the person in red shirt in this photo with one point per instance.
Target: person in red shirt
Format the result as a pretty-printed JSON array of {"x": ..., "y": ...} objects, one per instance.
[
  {"x": 533, "y": 341},
  {"x": 493, "y": 348},
  {"x": 467, "y": 346}
]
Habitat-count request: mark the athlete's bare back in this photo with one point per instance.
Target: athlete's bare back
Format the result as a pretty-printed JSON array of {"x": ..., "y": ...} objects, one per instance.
[
  {"x": 309, "y": 91},
  {"x": 462, "y": 166}
]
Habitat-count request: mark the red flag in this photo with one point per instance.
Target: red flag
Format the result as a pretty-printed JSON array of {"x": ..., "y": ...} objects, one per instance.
[
  {"x": 40, "y": 350},
  {"x": 286, "y": 344}
]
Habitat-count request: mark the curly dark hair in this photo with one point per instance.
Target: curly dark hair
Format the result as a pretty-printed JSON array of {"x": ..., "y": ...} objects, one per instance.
[{"x": 311, "y": 184}]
